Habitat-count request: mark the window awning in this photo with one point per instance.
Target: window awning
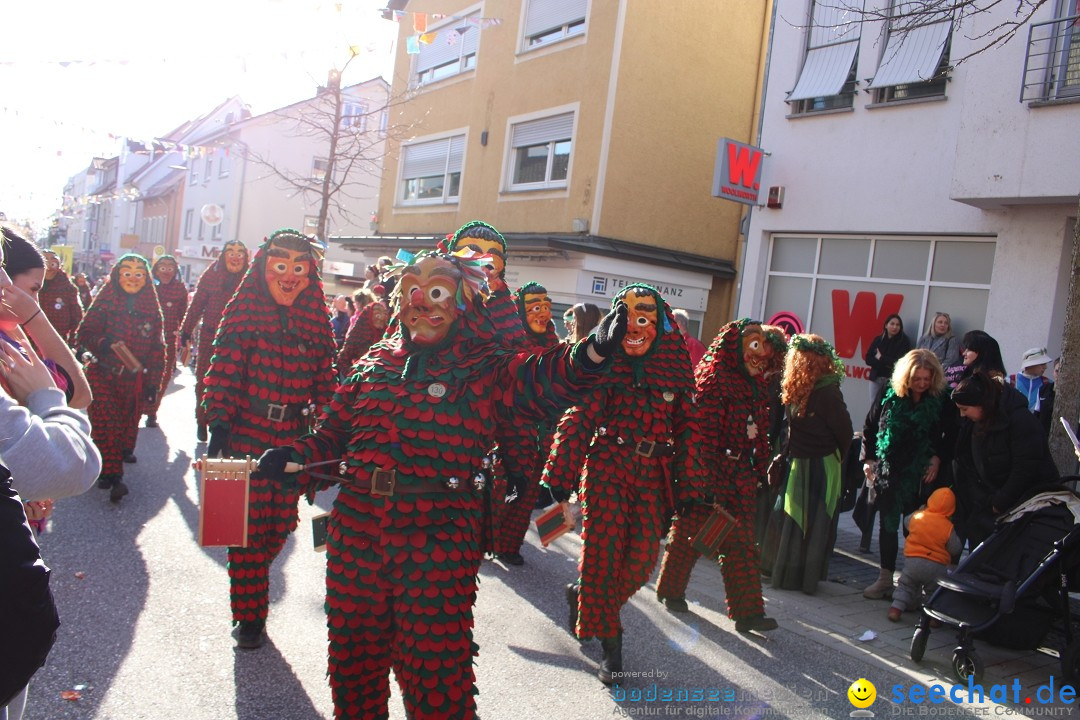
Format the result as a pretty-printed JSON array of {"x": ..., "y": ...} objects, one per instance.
[
  {"x": 825, "y": 71},
  {"x": 912, "y": 55}
]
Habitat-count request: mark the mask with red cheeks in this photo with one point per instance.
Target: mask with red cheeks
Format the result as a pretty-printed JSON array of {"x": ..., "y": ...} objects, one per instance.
[
  {"x": 287, "y": 273},
  {"x": 429, "y": 292},
  {"x": 537, "y": 311},
  {"x": 165, "y": 272},
  {"x": 641, "y": 328},
  {"x": 131, "y": 276},
  {"x": 236, "y": 257},
  {"x": 52, "y": 265},
  {"x": 757, "y": 352}
]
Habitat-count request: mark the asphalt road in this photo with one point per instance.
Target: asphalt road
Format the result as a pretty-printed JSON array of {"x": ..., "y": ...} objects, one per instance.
[{"x": 146, "y": 631}]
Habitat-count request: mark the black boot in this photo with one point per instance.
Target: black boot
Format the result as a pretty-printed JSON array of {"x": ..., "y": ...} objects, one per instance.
[
  {"x": 151, "y": 420},
  {"x": 612, "y": 661},
  {"x": 511, "y": 558},
  {"x": 118, "y": 490},
  {"x": 251, "y": 634},
  {"x": 129, "y": 456},
  {"x": 572, "y": 592},
  {"x": 106, "y": 481},
  {"x": 200, "y": 432}
]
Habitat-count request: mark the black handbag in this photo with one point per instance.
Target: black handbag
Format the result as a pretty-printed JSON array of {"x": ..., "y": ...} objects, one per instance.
[{"x": 28, "y": 619}]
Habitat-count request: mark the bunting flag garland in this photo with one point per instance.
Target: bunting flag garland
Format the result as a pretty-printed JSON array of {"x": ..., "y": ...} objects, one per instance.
[{"x": 422, "y": 36}]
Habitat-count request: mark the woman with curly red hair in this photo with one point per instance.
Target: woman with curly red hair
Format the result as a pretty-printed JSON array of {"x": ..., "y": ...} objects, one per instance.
[{"x": 803, "y": 528}]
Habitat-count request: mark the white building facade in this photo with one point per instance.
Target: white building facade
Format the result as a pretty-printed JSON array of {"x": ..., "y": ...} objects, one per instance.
[{"x": 909, "y": 183}]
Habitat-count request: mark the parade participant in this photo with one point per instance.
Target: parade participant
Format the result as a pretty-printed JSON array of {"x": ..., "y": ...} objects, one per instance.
[
  {"x": 124, "y": 323},
  {"x": 413, "y": 425},
  {"x": 59, "y": 298},
  {"x": 631, "y": 444},
  {"x": 216, "y": 285},
  {"x": 273, "y": 360},
  {"x": 83, "y": 286},
  {"x": 732, "y": 384},
  {"x": 368, "y": 325},
  {"x": 523, "y": 447},
  {"x": 800, "y": 539},
  {"x": 173, "y": 297},
  {"x": 479, "y": 237}
]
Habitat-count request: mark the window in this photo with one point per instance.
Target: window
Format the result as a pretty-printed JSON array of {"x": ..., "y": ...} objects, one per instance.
[
  {"x": 215, "y": 234},
  {"x": 451, "y": 50},
  {"x": 827, "y": 80},
  {"x": 311, "y": 225},
  {"x": 1052, "y": 66},
  {"x": 549, "y": 21},
  {"x": 540, "y": 152},
  {"x": 223, "y": 165},
  {"x": 193, "y": 174},
  {"x": 319, "y": 166},
  {"x": 202, "y": 230},
  {"x": 915, "y": 62},
  {"x": 189, "y": 219},
  {"x": 209, "y": 170},
  {"x": 384, "y": 120},
  {"x": 431, "y": 171},
  {"x": 353, "y": 115}
]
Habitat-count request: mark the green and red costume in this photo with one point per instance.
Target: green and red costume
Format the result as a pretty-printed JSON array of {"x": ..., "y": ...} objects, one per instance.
[
  {"x": 216, "y": 286},
  {"x": 119, "y": 394},
  {"x": 361, "y": 336},
  {"x": 731, "y": 401},
  {"x": 401, "y": 568},
  {"x": 523, "y": 447},
  {"x": 631, "y": 443},
  {"x": 59, "y": 300},
  {"x": 271, "y": 363},
  {"x": 173, "y": 298}
]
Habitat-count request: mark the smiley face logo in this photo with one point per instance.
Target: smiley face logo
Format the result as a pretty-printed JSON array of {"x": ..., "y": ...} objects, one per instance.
[{"x": 862, "y": 693}]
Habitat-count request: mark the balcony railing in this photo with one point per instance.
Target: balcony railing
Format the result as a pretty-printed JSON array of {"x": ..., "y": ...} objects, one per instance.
[{"x": 1052, "y": 66}]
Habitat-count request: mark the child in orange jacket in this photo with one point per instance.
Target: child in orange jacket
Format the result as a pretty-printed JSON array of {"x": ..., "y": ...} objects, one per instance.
[{"x": 931, "y": 546}]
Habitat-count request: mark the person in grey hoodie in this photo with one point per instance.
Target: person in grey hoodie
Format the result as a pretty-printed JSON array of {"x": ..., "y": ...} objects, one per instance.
[{"x": 939, "y": 339}]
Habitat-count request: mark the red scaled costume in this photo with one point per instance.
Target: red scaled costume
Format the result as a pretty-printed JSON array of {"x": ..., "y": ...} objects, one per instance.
[
  {"x": 125, "y": 310},
  {"x": 632, "y": 444},
  {"x": 523, "y": 447},
  {"x": 59, "y": 298},
  {"x": 368, "y": 326},
  {"x": 413, "y": 424},
  {"x": 173, "y": 297},
  {"x": 273, "y": 359},
  {"x": 732, "y": 389},
  {"x": 216, "y": 286}
]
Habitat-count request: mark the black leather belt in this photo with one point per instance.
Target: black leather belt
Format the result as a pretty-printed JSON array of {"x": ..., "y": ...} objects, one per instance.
[
  {"x": 642, "y": 448},
  {"x": 276, "y": 412},
  {"x": 385, "y": 483}
]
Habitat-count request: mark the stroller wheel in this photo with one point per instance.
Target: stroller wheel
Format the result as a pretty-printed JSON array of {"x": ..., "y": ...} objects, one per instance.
[
  {"x": 966, "y": 663},
  {"x": 918, "y": 643}
]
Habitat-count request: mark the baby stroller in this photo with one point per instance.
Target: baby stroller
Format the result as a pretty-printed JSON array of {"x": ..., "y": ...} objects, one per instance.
[{"x": 1012, "y": 587}]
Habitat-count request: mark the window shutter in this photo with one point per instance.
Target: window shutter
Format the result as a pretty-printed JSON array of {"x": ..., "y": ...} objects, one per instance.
[
  {"x": 536, "y": 132},
  {"x": 425, "y": 159},
  {"x": 545, "y": 15},
  {"x": 443, "y": 50},
  {"x": 825, "y": 71},
  {"x": 912, "y": 55},
  {"x": 457, "y": 151}
]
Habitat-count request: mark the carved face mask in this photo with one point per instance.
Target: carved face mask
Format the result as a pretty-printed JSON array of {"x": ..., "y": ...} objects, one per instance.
[
  {"x": 641, "y": 330},
  {"x": 287, "y": 273},
  {"x": 132, "y": 276},
  {"x": 756, "y": 351},
  {"x": 52, "y": 265},
  {"x": 165, "y": 271},
  {"x": 484, "y": 247},
  {"x": 537, "y": 311},
  {"x": 236, "y": 257},
  {"x": 380, "y": 316},
  {"x": 429, "y": 300}
]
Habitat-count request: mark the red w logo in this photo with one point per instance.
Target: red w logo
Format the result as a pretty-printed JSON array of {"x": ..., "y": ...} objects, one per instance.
[
  {"x": 743, "y": 165},
  {"x": 861, "y": 322}
]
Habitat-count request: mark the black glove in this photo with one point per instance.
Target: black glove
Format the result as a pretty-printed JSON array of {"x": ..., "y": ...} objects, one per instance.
[
  {"x": 219, "y": 440},
  {"x": 557, "y": 495},
  {"x": 609, "y": 334},
  {"x": 105, "y": 346},
  {"x": 184, "y": 340},
  {"x": 151, "y": 396},
  {"x": 272, "y": 463},
  {"x": 683, "y": 507}
]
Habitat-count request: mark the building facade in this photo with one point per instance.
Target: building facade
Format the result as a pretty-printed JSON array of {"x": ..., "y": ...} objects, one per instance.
[
  {"x": 584, "y": 131},
  {"x": 906, "y": 181}
]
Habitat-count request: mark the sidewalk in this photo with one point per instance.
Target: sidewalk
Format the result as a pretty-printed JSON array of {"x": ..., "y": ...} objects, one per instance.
[{"x": 838, "y": 616}]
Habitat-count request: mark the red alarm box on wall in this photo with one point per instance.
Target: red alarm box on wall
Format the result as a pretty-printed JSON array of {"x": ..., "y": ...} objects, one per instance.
[{"x": 223, "y": 501}]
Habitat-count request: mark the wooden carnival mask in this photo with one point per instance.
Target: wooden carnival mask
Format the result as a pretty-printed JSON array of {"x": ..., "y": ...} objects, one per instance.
[
  {"x": 236, "y": 256},
  {"x": 642, "y": 317},
  {"x": 165, "y": 271},
  {"x": 757, "y": 352},
  {"x": 429, "y": 299},
  {"x": 287, "y": 273},
  {"x": 537, "y": 311},
  {"x": 52, "y": 264},
  {"x": 132, "y": 276},
  {"x": 494, "y": 248},
  {"x": 380, "y": 316}
]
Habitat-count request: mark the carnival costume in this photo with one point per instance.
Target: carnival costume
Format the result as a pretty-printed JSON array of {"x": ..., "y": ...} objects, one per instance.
[
  {"x": 173, "y": 297},
  {"x": 216, "y": 285},
  {"x": 368, "y": 326},
  {"x": 523, "y": 447},
  {"x": 477, "y": 237},
  {"x": 732, "y": 390},
  {"x": 411, "y": 427},
  {"x": 83, "y": 286},
  {"x": 273, "y": 359},
  {"x": 59, "y": 298},
  {"x": 125, "y": 310},
  {"x": 631, "y": 443}
]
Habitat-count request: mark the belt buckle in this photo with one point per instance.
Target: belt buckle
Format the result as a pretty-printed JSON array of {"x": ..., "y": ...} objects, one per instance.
[
  {"x": 648, "y": 453},
  {"x": 383, "y": 481},
  {"x": 275, "y": 412}
]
